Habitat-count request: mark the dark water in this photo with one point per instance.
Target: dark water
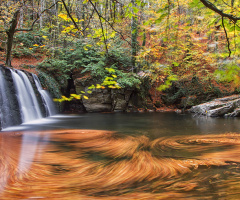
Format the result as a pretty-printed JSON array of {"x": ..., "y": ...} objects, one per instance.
[
  {"x": 121, "y": 156},
  {"x": 153, "y": 125}
]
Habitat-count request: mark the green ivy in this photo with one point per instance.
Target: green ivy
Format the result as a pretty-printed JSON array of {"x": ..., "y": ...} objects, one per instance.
[{"x": 50, "y": 84}]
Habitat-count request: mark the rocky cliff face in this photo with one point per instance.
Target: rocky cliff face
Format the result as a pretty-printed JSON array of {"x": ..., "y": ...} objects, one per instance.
[{"x": 9, "y": 108}]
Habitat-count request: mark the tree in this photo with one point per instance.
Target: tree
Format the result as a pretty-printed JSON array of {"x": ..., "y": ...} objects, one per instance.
[
  {"x": 229, "y": 11},
  {"x": 10, "y": 16}
]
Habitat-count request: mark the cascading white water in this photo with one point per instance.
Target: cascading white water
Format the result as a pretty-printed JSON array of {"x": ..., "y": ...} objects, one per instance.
[
  {"x": 31, "y": 92},
  {"x": 49, "y": 104},
  {"x": 29, "y": 110},
  {"x": 18, "y": 99}
]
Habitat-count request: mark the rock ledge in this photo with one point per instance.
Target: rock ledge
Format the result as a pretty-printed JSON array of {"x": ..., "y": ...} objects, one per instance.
[{"x": 222, "y": 107}]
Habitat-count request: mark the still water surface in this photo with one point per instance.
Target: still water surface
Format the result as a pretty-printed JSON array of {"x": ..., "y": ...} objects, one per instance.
[
  {"x": 121, "y": 156},
  {"x": 153, "y": 125}
]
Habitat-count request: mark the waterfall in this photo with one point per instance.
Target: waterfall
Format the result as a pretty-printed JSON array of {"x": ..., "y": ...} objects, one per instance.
[
  {"x": 29, "y": 109},
  {"x": 48, "y": 102},
  {"x": 18, "y": 98},
  {"x": 31, "y": 93}
]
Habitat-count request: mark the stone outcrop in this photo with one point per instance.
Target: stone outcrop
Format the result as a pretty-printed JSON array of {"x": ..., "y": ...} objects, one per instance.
[
  {"x": 107, "y": 100},
  {"x": 103, "y": 100},
  {"x": 120, "y": 99},
  {"x": 98, "y": 101},
  {"x": 222, "y": 107}
]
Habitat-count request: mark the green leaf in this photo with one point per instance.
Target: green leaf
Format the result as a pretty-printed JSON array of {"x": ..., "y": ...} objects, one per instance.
[
  {"x": 163, "y": 9},
  {"x": 135, "y": 10},
  {"x": 237, "y": 28},
  {"x": 147, "y": 22},
  {"x": 91, "y": 87},
  {"x": 130, "y": 15},
  {"x": 176, "y": 64},
  {"x": 196, "y": 4},
  {"x": 159, "y": 20},
  {"x": 213, "y": 21},
  {"x": 138, "y": 2}
]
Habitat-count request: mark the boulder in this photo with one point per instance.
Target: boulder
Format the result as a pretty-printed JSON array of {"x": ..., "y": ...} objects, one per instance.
[
  {"x": 228, "y": 107},
  {"x": 102, "y": 100},
  {"x": 98, "y": 101},
  {"x": 120, "y": 99}
]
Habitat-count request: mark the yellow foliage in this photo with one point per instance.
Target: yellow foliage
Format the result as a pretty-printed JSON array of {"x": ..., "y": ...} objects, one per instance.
[{"x": 64, "y": 17}]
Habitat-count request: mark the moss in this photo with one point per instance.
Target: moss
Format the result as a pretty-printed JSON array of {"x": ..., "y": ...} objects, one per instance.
[{"x": 51, "y": 85}]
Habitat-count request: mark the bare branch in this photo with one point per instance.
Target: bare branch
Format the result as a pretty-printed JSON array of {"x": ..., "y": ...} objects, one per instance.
[
  {"x": 211, "y": 6},
  {"x": 115, "y": 1},
  {"x": 88, "y": 21},
  {"x": 100, "y": 19},
  {"x": 109, "y": 23},
  {"x": 38, "y": 17},
  {"x": 229, "y": 50},
  {"x": 69, "y": 14},
  {"x": 226, "y": 3}
]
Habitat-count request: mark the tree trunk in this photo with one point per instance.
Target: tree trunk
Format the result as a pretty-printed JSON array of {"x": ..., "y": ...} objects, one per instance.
[
  {"x": 10, "y": 34},
  {"x": 134, "y": 33},
  {"x": 42, "y": 8},
  {"x": 20, "y": 23}
]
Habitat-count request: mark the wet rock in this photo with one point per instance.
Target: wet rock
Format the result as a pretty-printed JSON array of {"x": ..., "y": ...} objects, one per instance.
[
  {"x": 120, "y": 99},
  {"x": 235, "y": 113},
  {"x": 9, "y": 107},
  {"x": 103, "y": 100},
  {"x": 98, "y": 101},
  {"x": 227, "y": 107}
]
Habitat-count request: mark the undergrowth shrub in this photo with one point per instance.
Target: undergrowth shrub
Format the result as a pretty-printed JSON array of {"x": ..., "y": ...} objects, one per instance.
[
  {"x": 87, "y": 58},
  {"x": 28, "y": 39}
]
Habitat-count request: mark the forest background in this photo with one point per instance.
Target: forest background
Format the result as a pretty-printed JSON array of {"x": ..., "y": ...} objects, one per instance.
[{"x": 167, "y": 50}]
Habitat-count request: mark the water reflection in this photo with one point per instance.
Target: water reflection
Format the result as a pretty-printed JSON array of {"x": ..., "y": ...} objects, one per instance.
[
  {"x": 94, "y": 164},
  {"x": 153, "y": 125},
  {"x": 28, "y": 150},
  {"x": 18, "y": 151}
]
